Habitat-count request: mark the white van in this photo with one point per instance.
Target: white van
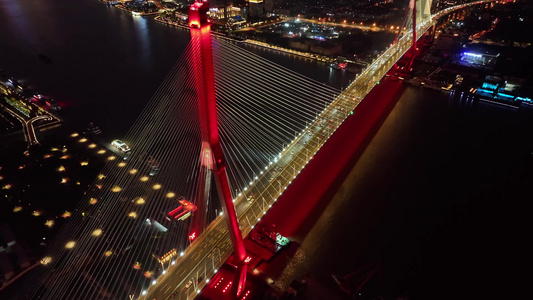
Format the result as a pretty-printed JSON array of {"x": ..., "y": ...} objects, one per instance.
[{"x": 121, "y": 146}]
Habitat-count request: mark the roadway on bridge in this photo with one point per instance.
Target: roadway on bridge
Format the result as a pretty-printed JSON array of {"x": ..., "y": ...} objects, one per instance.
[
  {"x": 213, "y": 247},
  {"x": 301, "y": 200},
  {"x": 328, "y": 167},
  {"x": 297, "y": 210},
  {"x": 209, "y": 252}
]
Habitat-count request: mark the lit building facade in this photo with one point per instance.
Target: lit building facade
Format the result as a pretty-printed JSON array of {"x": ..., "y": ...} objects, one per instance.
[
  {"x": 256, "y": 7},
  {"x": 220, "y": 9},
  {"x": 224, "y": 13}
]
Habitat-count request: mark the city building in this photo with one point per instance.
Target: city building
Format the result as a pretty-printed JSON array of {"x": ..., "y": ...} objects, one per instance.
[
  {"x": 256, "y": 8},
  {"x": 448, "y": 41},
  {"x": 479, "y": 58},
  {"x": 270, "y": 5},
  {"x": 495, "y": 87},
  {"x": 221, "y": 7},
  {"x": 224, "y": 12}
]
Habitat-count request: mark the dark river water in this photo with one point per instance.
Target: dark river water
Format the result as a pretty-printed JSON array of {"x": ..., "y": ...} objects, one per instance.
[
  {"x": 437, "y": 202},
  {"x": 105, "y": 64},
  {"x": 439, "y": 196}
]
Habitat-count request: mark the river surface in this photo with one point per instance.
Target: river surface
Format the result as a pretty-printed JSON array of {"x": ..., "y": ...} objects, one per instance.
[
  {"x": 105, "y": 64},
  {"x": 438, "y": 195},
  {"x": 437, "y": 201}
]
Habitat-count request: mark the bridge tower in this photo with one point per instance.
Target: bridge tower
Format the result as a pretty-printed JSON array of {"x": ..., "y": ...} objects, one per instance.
[
  {"x": 212, "y": 157},
  {"x": 417, "y": 12}
]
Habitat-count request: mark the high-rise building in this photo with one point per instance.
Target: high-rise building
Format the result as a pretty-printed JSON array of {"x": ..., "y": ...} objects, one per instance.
[
  {"x": 256, "y": 7},
  {"x": 221, "y": 4},
  {"x": 271, "y": 5}
]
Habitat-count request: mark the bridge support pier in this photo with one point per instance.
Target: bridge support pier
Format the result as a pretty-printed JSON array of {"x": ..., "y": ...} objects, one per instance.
[
  {"x": 413, "y": 47},
  {"x": 200, "y": 28}
]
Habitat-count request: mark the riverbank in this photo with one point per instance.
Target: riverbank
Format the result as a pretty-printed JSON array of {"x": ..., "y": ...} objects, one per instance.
[
  {"x": 137, "y": 13},
  {"x": 19, "y": 108},
  {"x": 119, "y": 5},
  {"x": 308, "y": 55}
]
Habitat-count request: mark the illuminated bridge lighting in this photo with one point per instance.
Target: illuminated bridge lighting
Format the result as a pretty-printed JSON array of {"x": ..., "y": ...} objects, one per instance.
[
  {"x": 46, "y": 260},
  {"x": 170, "y": 151},
  {"x": 75, "y": 134},
  {"x": 116, "y": 189},
  {"x": 101, "y": 151},
  {"x": 92, "y": 146},
  {"x": 70, "y": 245},
  {"x": 246, "y": 295}
]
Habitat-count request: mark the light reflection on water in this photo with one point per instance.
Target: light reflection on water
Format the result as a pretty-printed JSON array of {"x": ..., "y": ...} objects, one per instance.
[
  {"x": 16, "y": 20},
  {"x": 143, "y": 38}
]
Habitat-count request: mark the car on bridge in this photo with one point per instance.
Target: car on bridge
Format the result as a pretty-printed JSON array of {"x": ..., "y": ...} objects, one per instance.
[{"x": 188, "y": 285}]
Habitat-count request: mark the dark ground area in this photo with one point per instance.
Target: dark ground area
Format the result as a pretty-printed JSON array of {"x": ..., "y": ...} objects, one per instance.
[{"x": 39, "y": 188}]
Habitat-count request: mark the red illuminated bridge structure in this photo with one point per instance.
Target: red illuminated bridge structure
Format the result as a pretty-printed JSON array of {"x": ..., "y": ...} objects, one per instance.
[{"x": 230, "y": 131}]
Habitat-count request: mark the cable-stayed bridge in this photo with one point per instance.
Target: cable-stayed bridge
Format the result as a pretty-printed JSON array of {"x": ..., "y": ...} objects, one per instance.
[{"x": 124, "y": 242}]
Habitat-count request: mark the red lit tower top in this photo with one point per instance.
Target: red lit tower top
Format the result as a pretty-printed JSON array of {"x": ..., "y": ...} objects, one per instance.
[{"x": 198, "y": 14}]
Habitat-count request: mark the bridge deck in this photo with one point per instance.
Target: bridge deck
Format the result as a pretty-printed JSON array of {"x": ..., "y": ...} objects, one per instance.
[{"x": 209, "y": 251}]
